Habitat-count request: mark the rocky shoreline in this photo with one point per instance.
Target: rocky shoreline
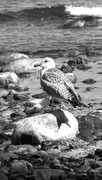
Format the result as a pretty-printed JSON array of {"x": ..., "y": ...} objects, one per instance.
[{"x": 25, "y": 151}]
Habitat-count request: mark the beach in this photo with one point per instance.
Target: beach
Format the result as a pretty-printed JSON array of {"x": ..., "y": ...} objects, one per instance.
[{"x": 69, "y": 32}]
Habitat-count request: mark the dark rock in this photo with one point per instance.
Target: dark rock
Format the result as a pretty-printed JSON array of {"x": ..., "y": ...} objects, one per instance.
[
  {"x": 20, "y": 167},
  {"x": 3, "y": 177},
  {"x": 89, "y": 81},
  {"x": 18, "y": 114},
  {"x": 90, "y": 125},
  {"x": 22, "y": 150},
  {"x": 81, "y": 59},
  {"x": 100, "y": 72},
  {"x": 91, "y": 88},
  {"x": 66, "y": 69},
  {"x": 83, "y": 67},
  {"x": 12, "y": 95}
]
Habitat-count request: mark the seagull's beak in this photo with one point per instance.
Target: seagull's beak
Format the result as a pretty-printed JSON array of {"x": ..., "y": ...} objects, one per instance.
[{"x": 37, "y": 64}]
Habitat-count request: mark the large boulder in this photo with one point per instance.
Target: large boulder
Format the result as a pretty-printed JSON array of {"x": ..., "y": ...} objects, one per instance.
[
  {"x": 8, "y": 79},
  {"x": 20, "y": 66},
  {"x": 59, "y": 124}
]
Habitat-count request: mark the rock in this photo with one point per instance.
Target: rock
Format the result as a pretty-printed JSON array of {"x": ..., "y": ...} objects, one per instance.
[
  {"x": 81, "y": 22},
  {"x": 90, "y": 88},
  {"x": 3, "y": 177},
  {"x": 72, "y": 77},
  {"x": 16, "y": 56},
  {"x": 20, "y": 167},
  {"x": 21, "y": 66},
  {"x": 66, "y": 69},
  {"x": 89, "y": 81},
  {"x": 95, "y": 173},
  {"x": 22, "y": 149},
  {"x": 9, "y": 80},
  {"x": 37, "y": 105},
  {"x": 33, "y": 130},
  {"x": 90, "y": 125},
  {"x": 47, "y": 174},
  {"x": 78, "y": 60},
  {"x": 13, "y": 95}
]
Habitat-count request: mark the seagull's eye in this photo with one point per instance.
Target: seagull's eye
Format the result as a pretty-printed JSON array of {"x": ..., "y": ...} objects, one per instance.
[{"x": 46, "y": 60}]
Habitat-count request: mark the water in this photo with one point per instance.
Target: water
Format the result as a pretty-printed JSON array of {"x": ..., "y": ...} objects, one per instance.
[{"x": 33, "y": 25}]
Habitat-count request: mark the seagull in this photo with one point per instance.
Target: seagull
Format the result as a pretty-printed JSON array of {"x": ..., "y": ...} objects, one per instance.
[{"x": 56, "y": 84}]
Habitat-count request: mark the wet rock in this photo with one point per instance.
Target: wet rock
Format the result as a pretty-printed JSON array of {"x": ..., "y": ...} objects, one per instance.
[
  {"x": 20, "y": 167},
  {"x": 17, "y": 114},
  {"x": 66, "y": 69},
  {"x": 78, "y": 60},
  {"x": 89, "y": 81},
  {"x": 85, "y": 21},
  {"x": 73, "y": 53},
  {"x": 95, "y": 173},
  {"x": 90, "y": 88},
  {"x": 9, "y": 80},
  {"x": 3, "y": 177},
  {"x": 33, "y": 130},
  {"x": 22, "y": 149},
  {"x": 90, "y": 125},
  {"x": 13, "y": 95},
  {"x": 47, "y": 174},
  {"x": 83, "y": 67},
  {"x": 36, "y": 105}
]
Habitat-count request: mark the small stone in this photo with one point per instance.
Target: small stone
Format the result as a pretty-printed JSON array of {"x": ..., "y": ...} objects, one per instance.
[
  {"x": 66, "y": 69},
  {"x": 21, "y": 167},
  {"x": 89, "y": 81},
  {"x": 3, "y": 177}
]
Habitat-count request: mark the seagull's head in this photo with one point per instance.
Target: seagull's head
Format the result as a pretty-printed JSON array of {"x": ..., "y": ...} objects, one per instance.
[{"x": 47, "y": 63}]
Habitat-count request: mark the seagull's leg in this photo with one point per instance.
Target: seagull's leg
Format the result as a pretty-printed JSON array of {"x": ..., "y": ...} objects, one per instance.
[
  {"x": 52, "y": 104},
  {"x": 60, "y": 104}
]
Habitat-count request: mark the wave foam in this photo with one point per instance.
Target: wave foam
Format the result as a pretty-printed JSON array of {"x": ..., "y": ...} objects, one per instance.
[{"x": 79, "y": 11}]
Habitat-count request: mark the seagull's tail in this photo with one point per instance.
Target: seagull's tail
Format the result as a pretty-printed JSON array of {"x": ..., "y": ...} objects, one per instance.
[{"x": 77, "y": 102}]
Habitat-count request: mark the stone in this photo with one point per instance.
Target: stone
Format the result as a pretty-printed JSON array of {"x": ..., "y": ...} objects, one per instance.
[
  {"x": 3, "y": 177},
  {"x": 89, "y": 81},
  {"x": 47, "y": 174},
  {"x": 25, "y": 149},
  {"x": 9, "y": 80},
  {"x": 90, "y": 125},
  {"x": 20, "y": 167},
  {"x": 13, "y": 95},
  {"x": 22, "y": 66},
  {"x": 66, "y": 68},
  {"x": 78, "y": 60},
  {"x": 16, "y": 56},
  {"x": 33, "y": 130}
]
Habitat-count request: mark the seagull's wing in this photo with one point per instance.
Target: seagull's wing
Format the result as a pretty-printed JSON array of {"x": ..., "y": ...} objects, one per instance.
[{"x": 53, "y": 75}]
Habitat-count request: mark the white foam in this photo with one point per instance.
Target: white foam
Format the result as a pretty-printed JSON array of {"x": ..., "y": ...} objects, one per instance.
[{"x": 80, "y": 10}]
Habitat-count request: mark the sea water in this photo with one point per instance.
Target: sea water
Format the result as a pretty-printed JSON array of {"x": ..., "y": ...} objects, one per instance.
[{"x": 38, "y": 25}]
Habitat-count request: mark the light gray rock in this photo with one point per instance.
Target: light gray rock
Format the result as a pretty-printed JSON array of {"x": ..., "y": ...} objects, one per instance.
[
  {"x": 60, "y": 124},
  {"x": 16, "y": 56},
  {"x": 8, "y": 79},
  {"x": 20, "y": 66}
]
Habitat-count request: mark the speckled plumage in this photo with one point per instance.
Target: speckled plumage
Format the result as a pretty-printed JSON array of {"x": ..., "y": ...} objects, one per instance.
[{"x": 55, "y": 83}]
